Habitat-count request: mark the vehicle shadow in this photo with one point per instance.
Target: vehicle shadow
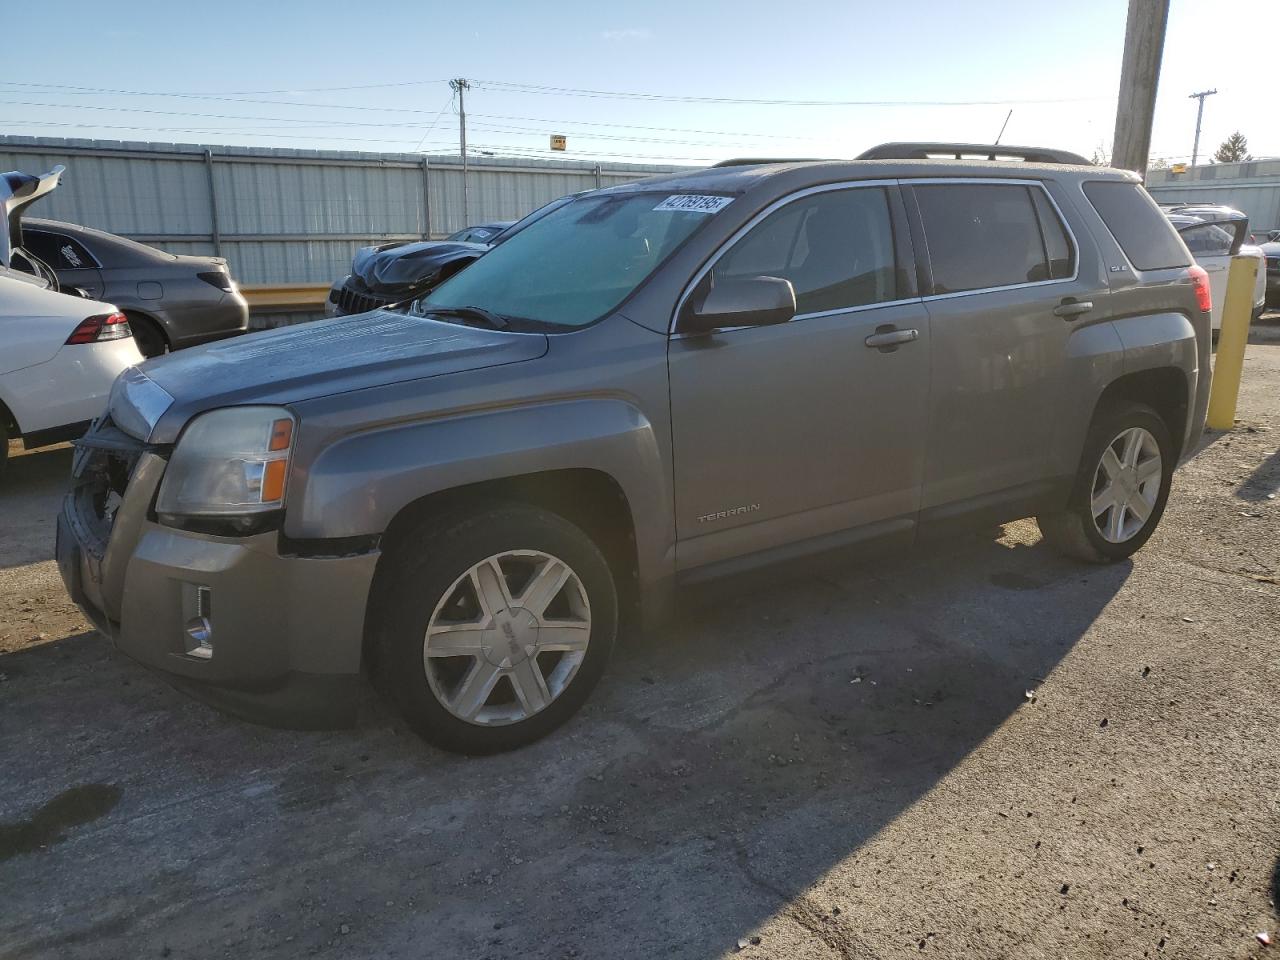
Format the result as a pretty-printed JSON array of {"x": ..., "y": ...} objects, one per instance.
[
  {"x": 724, "y": 765},
  {"x": 30, "y": 492},
  {"x": 1263, "y": 481}
]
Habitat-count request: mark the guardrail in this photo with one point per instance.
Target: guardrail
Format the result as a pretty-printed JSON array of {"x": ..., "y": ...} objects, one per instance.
[{"x": 287, "y": 296}]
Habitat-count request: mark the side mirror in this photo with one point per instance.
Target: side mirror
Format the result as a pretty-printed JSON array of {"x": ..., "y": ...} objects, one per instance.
[{"x": 746, "y": 302}]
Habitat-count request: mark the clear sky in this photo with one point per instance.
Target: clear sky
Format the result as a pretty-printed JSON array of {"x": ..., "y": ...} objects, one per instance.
[{"x": 259, "y": 64}]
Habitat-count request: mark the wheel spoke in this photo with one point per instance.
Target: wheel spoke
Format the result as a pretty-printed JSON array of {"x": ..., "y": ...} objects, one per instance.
[
  {"x": 1115, "y": 523},
  {"x": 530, "y": 685},
  {"x": 1111, "y": 464},
  {"x": 544, "y": 586},
  {"x": 1132, "y": 447},
  {"x": 491, "y": 587},
  {"x": 1138, "y": 507},
  {"x": 564, "y": 635},
  {"x": 455, "y": 640},
  {"x": 1104, "y": 501},
  {"x": 1147, "y": 470},
  {"x": 475, "y": 688}
]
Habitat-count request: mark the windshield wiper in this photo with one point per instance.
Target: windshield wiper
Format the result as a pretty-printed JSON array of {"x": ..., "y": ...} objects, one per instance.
[{"x": 495, "y": 320}]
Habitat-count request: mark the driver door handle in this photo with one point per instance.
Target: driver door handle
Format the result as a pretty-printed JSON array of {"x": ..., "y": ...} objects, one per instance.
[
  {"x": 891, "y": 338},
  {"x": 1069, "y": 309}
]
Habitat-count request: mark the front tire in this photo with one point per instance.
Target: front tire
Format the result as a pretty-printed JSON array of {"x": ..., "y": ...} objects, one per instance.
[
  {"x": 1120, "y": 490},
  {"x": 491, "y": 629}
]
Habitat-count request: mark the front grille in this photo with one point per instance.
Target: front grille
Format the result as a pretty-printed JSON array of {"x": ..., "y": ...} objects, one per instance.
[{"x": 356, "y": 301}]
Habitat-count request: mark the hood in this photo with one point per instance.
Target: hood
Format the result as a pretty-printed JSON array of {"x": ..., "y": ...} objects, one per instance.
[
  {"x": 17, "y": 192},
  {"x": 404, "y": 268},
  {"x": 324, "y": 357}
]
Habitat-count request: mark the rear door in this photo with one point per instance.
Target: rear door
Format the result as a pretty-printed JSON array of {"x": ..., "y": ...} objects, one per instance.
[
  {"x": 1003, "y": 291},
  {"x": 803, "y": 430}
]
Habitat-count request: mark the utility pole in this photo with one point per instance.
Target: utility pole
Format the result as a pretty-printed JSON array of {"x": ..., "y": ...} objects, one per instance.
[
  {"x": 1195, "y": 149},
  {"x": 1139, "y": 77},
  {"x": 459, "y": 86}
]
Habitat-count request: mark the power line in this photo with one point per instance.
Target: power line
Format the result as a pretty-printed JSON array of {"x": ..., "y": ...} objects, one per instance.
[
  {"x": 490, "y": 128},
  {"x": 274, "y": 136},
  {"x": 762, "y": 101},
  {"x": 632, "y": 126},
  {"x": 97, "y": 91}
]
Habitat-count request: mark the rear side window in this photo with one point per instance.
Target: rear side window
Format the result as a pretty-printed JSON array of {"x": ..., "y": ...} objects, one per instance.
[
  {"x": 836, "y": 248},
  {"x": 1145, "y": 236},
  {"x": 58, "y": 251},
  {"x": 984, "y": 235},
  {"x": 1062, "y": 259}
]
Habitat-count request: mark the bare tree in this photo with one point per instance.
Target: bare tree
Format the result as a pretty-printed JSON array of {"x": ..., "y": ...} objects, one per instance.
[{"x": 1233, "y": 149}]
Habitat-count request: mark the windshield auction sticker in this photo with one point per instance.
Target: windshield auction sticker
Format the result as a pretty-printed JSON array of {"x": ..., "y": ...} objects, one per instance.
[{"x": 692, "y": 203}]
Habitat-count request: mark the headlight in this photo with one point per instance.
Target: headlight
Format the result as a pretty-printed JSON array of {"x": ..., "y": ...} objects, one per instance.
[{"x": 229, "y": 463}]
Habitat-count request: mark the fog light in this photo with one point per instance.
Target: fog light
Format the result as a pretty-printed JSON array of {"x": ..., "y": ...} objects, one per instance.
[{"x": 197, "y": 611}]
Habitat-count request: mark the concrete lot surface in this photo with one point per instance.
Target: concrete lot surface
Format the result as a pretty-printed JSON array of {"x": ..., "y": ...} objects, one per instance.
[{"x": 977, "y": 749}]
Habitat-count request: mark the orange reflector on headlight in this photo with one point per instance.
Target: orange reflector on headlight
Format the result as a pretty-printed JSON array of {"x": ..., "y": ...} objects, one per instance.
[
  {"x": 273, "y": 481},
  {"x": 281, "y": 435}
]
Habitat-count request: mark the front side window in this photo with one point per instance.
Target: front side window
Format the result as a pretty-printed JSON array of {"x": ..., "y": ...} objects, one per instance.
[
  {"x": 577, "y": 263},
  {"x": 836, "y": 248},
  {"x": 983, "y": 235}
]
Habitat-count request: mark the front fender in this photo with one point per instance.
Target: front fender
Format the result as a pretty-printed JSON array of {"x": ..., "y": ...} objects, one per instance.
[{"x": 356, "y": 485}]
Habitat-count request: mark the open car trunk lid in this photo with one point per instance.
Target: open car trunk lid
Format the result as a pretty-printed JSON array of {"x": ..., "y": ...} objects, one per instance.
[{"x": 17, "y": 192}]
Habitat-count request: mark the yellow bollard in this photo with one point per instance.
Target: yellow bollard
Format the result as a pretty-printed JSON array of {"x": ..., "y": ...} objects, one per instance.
[{"x": 1236, "y": 311}]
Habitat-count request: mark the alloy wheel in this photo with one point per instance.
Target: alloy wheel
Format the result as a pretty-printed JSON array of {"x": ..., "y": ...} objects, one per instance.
[
  {"x": 1126, "y": 485},
  {"x": 507, "y": 638}
]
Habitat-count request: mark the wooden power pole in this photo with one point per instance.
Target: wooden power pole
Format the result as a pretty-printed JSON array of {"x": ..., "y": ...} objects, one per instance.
[{"x": 1139, "y": 77}]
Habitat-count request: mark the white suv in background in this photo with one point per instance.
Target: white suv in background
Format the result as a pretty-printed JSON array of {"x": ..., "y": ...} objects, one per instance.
[{"x": 1214, "y": 234}]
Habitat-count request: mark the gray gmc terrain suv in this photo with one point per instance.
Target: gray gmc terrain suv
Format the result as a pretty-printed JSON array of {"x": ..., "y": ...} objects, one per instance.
[{"x": 654, "y": 384}]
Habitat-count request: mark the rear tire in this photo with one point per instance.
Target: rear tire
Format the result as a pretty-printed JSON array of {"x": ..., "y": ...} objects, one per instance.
[
  {"x": 148, "y": 335},
  {"x": 490, "y": 629},
  {"x": 1122, "y": 490}
]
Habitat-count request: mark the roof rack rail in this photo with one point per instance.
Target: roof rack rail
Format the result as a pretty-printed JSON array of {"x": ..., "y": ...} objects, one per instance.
[
  {"x": 750, "y": 161},
  {"x": 961, "y": 151}
]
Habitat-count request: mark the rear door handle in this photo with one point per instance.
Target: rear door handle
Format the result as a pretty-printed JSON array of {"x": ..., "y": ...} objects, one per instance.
[
  {"x": 1069, "y": 309},
  {"x": 890, "y": 338}
]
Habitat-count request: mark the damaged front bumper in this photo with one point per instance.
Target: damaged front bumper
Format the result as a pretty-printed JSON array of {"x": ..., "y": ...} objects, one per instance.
[{"x": 285, "y": 632}]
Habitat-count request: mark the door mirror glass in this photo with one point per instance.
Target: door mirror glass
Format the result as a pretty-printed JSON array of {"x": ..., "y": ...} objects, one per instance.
[{"x": 742, "y": 302}]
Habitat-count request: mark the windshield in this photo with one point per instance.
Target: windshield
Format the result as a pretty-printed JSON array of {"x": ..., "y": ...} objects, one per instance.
[{"x": 575, "y": 264}]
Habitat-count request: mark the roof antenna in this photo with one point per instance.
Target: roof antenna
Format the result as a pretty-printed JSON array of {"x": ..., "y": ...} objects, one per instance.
[{"x": 1002, "y": 126}]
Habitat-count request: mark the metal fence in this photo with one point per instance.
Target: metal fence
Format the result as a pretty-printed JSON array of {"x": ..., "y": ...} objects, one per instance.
[
  {"x": 1253, "y": 187},
  {"x": 289, "y": 216}
]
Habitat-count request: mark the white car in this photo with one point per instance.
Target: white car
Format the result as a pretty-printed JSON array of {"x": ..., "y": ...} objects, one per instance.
[
  {"x": 1215, "y": 235},
  {"x": 59, "y": 355}
]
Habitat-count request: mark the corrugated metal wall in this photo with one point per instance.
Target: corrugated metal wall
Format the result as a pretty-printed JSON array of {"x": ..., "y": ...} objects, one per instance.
[
  {"x": 1253, "y": 187},
  {"x": 289, "y": 216}
]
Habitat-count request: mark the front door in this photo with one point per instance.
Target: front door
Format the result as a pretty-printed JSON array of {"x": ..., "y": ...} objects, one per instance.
[{"x": 806, "y": 429}]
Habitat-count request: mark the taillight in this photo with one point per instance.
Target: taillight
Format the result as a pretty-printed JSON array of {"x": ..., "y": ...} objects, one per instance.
[
  {"x": 1200, "y": 280},
  {"x": 219, "y": 279},
  {"x": 105, "y": 326}
]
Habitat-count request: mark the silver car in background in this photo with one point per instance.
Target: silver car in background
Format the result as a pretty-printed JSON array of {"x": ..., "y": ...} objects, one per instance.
[{"x": 172, "y": 301}]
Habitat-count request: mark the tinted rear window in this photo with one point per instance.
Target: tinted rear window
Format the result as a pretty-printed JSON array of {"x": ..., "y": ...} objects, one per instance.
[{"x": 1133, "y": 218}]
